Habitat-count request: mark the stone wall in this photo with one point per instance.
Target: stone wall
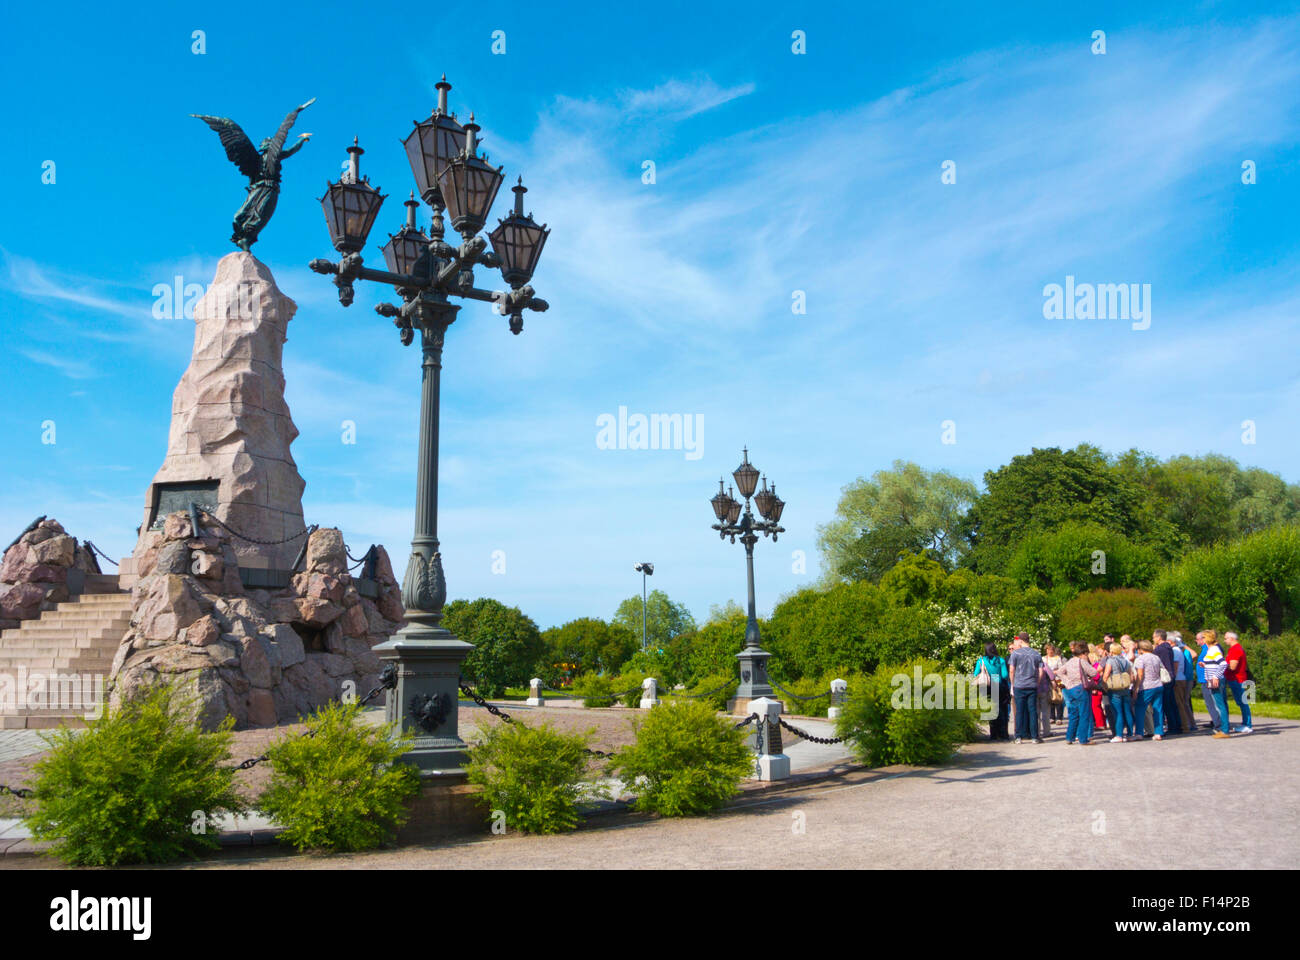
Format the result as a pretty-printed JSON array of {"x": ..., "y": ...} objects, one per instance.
[
  {"x": 34, "y": 574},
  {"x": 261, "y": 656}
]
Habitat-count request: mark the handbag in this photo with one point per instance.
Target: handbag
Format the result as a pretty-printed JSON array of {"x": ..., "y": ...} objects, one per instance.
[
  {"x": 1119, "y": 680},
  {"x": 983, "y": 679},
  {"x": 1164, "y": 675}
]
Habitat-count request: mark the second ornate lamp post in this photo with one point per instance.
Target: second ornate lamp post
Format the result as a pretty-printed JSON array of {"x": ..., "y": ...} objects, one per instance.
[
  {"x": 426, "y": 271},
  {"x": 732, "y": 522}
]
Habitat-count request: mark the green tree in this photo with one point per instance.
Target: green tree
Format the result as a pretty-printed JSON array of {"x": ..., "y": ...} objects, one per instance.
[
  {"x": 1046, "y": 488},
  {"x": 1251, "y": 580},
  {"x": 590, "y": 643},
  {"x": 1077, "y": 556},
  {"x": 1094, "y": 613},
  {"x": 905, "y": 509},
  {"x": 507, "y": 644},
  {"x": 664, "y": 619}
]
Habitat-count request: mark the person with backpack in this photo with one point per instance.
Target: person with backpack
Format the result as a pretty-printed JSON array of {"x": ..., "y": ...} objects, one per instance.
[
  {"x": 1074, "y": 677},
  {"x": 1117, "y": 677},
  {"x": 991, "y": 674}
]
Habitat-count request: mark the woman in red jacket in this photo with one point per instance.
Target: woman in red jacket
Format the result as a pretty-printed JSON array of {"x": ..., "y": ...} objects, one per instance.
[{"x": 1097, "y": 658}]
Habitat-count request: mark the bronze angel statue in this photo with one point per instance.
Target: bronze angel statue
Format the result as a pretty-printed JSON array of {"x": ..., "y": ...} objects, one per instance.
[{"x": 262, "y": 167}]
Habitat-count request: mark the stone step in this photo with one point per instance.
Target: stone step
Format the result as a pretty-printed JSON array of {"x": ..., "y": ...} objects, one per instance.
[
  {"x": 76, "y": 620},
  {"x": 93, "y": 665},
  {"x": 69, "y": 634},
  {"x": 39, "y": 720},
  {"x": 94, "y": 601},
  {"x": 38, "y": 647},
  {"x": 72, "y": 622}
]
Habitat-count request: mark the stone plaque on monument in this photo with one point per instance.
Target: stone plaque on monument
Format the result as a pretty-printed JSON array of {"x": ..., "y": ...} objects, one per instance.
[{"x": 228, "y": 447}]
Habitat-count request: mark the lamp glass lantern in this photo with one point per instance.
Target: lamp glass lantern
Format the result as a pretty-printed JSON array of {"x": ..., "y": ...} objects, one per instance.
[
  {"x": 746, "y": 477},
  {"x": 778, "y": 505},
  {"x": 404, "y": 248},
  {"x": 469, "y": 185},
  {"x": 431, "y": 145},
  {"x": 721, "y": 503},
  {"x": 733, "y": 509},
  {"x": 351, "y": 206},
  {"x": 518, "y": 241},
  {"x": 764, "y": 500}
]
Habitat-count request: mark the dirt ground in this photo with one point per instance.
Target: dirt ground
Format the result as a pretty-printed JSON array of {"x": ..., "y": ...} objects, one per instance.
[{"x": 611, "y": 728}]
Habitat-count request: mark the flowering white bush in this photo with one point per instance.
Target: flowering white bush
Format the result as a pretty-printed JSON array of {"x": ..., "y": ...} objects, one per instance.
[{"x": 961, "y": 634}]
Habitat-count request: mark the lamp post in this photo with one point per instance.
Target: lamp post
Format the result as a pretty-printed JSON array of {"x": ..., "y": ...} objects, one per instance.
[
  {"x": 427, "y": 271},
  {"x": 646, "y": 570},
  {"x": 732, "y": 523}
]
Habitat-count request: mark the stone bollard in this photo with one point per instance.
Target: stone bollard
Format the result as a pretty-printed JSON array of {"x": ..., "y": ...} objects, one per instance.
[
  {"x": 839, "y": 689},
  {"x": 649, "y": 693},
  {"x": 773, "y": 764},
  {"x": 535, "y": 698}
]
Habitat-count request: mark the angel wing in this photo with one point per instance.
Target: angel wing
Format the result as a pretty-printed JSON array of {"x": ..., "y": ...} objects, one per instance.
[
  {"x": 276, "y": 147},
  {"x": 239, "y": 149}
]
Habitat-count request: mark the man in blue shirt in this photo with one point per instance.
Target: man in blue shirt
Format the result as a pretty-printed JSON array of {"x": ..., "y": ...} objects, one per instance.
[{"x": 1026, "y": 668}]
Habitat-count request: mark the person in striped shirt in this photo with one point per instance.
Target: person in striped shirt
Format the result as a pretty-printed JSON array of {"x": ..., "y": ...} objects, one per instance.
[{"x": 1215, "y": 684}]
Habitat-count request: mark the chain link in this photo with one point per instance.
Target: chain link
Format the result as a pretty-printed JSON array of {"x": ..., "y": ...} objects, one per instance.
[
  {"x": 387, "y": 680},
  {"x": 497, "y": 712},
  {"x": 701, "y": 696},
  {"x": 795, "y": 696},
  {"x": 22, "y": 793},
  {"x": 263, "y": 543},
  {"x": 94, "y": 550},
  {"x": 809, "y": 737}
]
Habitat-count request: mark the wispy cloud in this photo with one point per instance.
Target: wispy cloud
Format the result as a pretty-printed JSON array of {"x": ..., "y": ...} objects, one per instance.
[{"x": 68, "y": 366}]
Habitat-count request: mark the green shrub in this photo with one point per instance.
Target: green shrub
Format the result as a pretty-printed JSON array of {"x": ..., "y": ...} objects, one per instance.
[
  {"x": 594, "y": 690},
  {"x": 1094, "y": 613},
  {"x": 686, "y": 760},
  {"x": 720, "y": 688},
  {"x": 1275, "y": 665},
  {"x": 884, "y": 727},
  {"x": 140, "y": 785},
  {"x": 535, "y": 775},
  {"x": 343, "y": 788}
]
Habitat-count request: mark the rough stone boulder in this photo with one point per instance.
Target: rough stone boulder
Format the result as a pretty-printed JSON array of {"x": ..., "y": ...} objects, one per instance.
[
  {"x": 34, "y": 572},
  {"x": 261, "y": 656}
]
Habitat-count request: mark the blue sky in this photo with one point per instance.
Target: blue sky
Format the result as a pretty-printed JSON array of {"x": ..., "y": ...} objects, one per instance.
[{"x": 775, "y": 172}]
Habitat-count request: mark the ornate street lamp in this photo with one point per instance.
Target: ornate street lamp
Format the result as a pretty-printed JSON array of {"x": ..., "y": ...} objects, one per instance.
[
  {"x": 731, "y": 523},
  {"x": 646, "y": 570},
  {"x": 426, "y": 271}
]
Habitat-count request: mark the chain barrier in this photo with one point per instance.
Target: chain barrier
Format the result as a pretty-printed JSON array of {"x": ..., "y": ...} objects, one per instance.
[
  {"x": 700, "y": 696},
  {"x": 262, "y": 543},
  {"x": 746, "y": 722},
  {"x": 22, "y": 793},
  {"x": 809, "y": 737},
  {"x": 795, "y": 696},
  {"x": 498, "y": 712},
  {"x": 387, "y": 680},
  {"x": 95, "y": 551}
]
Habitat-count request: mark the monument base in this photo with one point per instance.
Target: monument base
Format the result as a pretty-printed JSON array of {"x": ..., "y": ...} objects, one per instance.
[
  {"x": 773, "y": 766},
  {"x": 445, "y": 807}
]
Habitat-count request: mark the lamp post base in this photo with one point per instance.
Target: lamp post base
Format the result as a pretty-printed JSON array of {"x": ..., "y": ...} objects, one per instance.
[
  {"x": 425, "y": 700},
  {"x": 753, "y": 679}
]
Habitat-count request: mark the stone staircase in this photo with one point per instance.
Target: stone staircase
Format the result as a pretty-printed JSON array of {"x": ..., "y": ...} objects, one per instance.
[{"x": 69, "y": 650}]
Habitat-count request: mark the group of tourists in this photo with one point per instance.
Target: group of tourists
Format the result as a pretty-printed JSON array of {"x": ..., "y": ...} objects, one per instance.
[{"x": 1135, "y": 690}]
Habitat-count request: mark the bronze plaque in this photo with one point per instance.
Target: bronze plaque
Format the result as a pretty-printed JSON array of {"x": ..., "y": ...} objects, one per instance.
[{"x": 171, "y": 497}]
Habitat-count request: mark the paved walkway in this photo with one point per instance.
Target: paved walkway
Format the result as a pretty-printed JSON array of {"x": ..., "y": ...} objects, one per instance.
[{"x": 1142, "y": 805}]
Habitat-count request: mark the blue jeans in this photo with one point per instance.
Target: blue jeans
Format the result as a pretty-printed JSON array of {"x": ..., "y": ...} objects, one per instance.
[
  {"x": 1211, "y": 704},
  {"x": 1079, "y": 724},
  {"x": 1170, "y": 707},
  {"x": 1154, "y": 698},
  {"x": 1237, "y": 691},
  {"x": 1123, "y": 713},
  {"x": 1220, "y": 705},
  {"x": 1026, "y": 712}
]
